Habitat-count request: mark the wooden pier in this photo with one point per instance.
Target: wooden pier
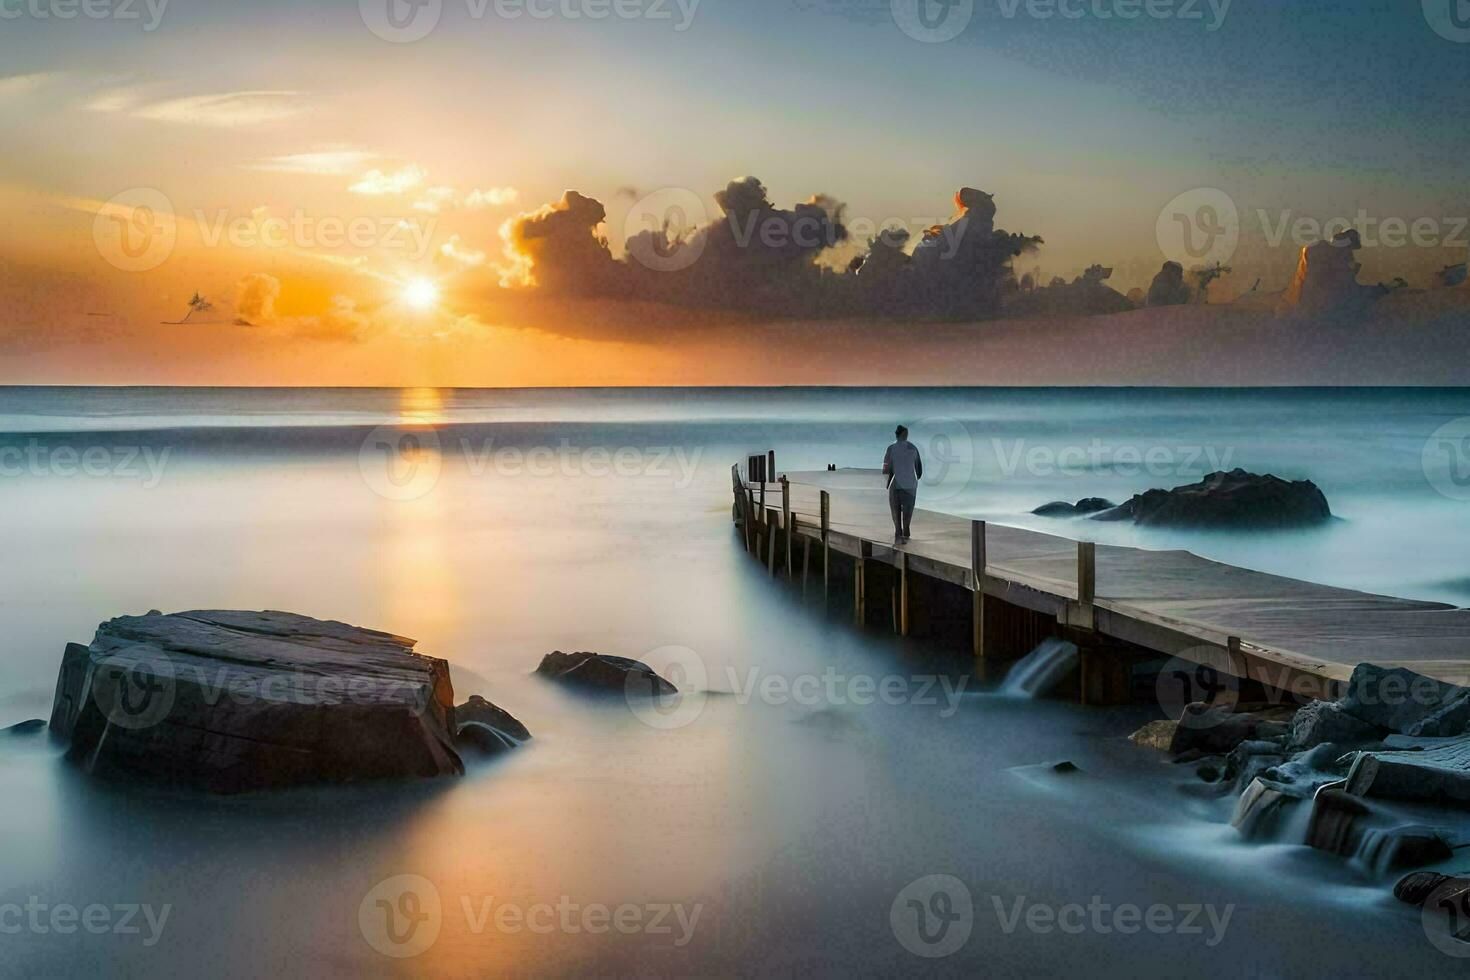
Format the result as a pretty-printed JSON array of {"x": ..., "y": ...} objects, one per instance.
[{"x": 1014, "y": 587}]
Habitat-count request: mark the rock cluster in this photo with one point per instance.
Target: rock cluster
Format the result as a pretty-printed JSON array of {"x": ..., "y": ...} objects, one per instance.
[
  {"x": 601, "y": 672},
  {"x": 1236, "y": 500},
  {"x": 1395, "y": 741},
  {"x": 1087, "y": 505}
]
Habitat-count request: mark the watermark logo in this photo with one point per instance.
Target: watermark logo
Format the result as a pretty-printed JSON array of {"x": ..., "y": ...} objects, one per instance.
[
  {"x": 41, "y": 918},
  {"x": 148, "y": 12},
  {"x": 933, "y": 916},
  {"x": 660, "y": 229},
  {"x": 401, "y": 916},
  {"x": 1450, "y": 19},
  {"x": 1445, "y": 917},
  {"x": 401, "y": 21},
  {"x": 683, "y": 668},
  {"x": 1446, "y": 459},
  {"x": 135, "y": 695},
  {"x": 136, "y": 231},
  {"x": 933, "y": 21},
  {"x": 1199, "y": 227},
  {"x": 1189, "y": 679},
  {"x": 400, "y": 464},
  {"x": 947, "y": 450}
]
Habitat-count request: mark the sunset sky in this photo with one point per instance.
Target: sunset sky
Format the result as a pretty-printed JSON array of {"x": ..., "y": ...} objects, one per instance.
[{"x": 340, "y": 198}]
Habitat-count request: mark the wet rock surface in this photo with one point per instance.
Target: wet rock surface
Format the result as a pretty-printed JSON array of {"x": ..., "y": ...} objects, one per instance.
[
  {"x": 1235, "y": 500},
  {"x": 600, "y": 672},
  {"x": 231, "y": 702}
]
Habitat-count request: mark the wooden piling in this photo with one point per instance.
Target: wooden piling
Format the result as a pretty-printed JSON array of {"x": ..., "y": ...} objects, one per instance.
[
  {"x": 806, "y": 563},
  {"x": 1086, "y": 585},
  {"x": 977, "y": 588},
  {"x": 860, "y": 584},
  {"x": 786, "y": 522},
  {"x": 903, "y": 593},
  {"x": 771, "y": 542},
  {"x": 826, "y": 546}
]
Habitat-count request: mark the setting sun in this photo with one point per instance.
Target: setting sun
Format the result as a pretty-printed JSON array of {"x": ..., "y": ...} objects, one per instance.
[{"x": 421, "y": 294}]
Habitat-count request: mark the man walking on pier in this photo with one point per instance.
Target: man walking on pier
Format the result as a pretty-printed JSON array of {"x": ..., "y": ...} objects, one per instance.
[{"x": 904, "y": 469}]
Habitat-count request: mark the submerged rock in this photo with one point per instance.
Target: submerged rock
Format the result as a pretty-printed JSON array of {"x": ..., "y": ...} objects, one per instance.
[
  {"x": 26, "y": 728},
  {"x": 1234, "y": 500},
  {"x": 1156, "y": 735},
  {"x": 1347, "y": 825},
  {"x": 1060, "y": 508},
  {"x": 488, "y": 728},
  {"x": 1417, "y": 888},
  {"x": 597, "y": 671},
  {"x": 231, "y": 702}
]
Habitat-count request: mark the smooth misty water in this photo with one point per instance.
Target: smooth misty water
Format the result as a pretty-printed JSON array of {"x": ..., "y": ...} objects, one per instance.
[{"x": 791, "y": 823}]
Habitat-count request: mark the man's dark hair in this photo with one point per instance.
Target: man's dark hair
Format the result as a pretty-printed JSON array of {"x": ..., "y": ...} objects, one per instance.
[{"x": 902, "y": 432}]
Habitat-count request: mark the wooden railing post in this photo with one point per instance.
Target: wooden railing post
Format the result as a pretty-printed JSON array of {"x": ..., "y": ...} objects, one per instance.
[
  {"x": 771, "y": 542},
  {"x": 787, "y": 529},
  {"x": 860, "y": 584},
  {"x": 1086, "y": 572},
  {"x": 977, "y": 584},
  {"x": 903, "y": 594},
  {"x": 826, "y": 546}
]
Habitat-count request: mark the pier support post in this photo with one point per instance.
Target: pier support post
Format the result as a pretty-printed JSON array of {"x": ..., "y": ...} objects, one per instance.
[
  {"x": 752, "y": 532},
  {"x": 826, "y": 546},
  {"x": 786, "y": 523},
  {"x": 771, "y": 542},
  {"x": 860, "y": 584},
  {"x": 806, "y": 564},
  {"x": 1086, "y": 584},
  {"x": 901, "y": 613},
  {"x": 977, "y": 587}
]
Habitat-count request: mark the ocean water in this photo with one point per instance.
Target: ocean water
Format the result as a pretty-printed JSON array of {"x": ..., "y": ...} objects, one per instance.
[{"x": 788, "y": 820}]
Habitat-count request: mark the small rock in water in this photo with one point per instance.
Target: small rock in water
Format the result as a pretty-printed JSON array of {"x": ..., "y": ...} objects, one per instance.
[
  {"x": 597, "y": 671},
  {"x": 1060, "y": 508},
  {"x": 1415, "y": 889},
  {"x": 1156, "y": 735},
  {"x": 33, "y": 727},
  {"x": 488, "y": 728},
  {"x": 1065, "y": 767}
]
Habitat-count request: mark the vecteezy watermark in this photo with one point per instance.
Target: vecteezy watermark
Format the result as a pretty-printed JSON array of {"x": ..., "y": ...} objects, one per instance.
[
  {"x": 661, "y": 229},
  {"x": 1199, "y": 227},
  {"x": 1206, "y": 920},
  {"x": 935, "y": 917},
  {"x": 1373, "y": 231},
  {"x": 832, "y": 688},
  {"x": 300, "y": 229},
  {"x": 135, "y": 230},
  {"x": 41, "y": 918},
  {"x": 35, "y": 458},
  {"x": 933, "y": 21},
  {"x": 148, "y": 13},
  {"x": 936, "y": 21},
  {"x": 1445, "y": 917},
  {"x": 667, "y": 230},
  {"x": 1446, "y": 459},
  {"x": 406, "y": 21},
  {"x": 1450, "y": 19},
  {"x": 1018, "y": 456},
  {"x": 403, "y": 916},
  {"x": 405, "y": 464}
]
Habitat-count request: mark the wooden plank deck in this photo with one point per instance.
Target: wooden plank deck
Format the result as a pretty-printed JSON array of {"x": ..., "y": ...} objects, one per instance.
[{"x": 1173, "y": 602}]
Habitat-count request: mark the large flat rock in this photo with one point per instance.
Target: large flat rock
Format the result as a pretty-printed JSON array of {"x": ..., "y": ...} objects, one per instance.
[{"x": 233, "y": 702}]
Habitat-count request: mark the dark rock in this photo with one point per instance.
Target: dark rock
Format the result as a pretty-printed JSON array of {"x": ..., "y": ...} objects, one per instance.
[
  {"x": 1326, "y": 722},
  {"x": 1399, "y": 700},
  {"x": 1258, "y": 811},
  {"x": 1060, "y": 508},
  {"x": 487, "y": 728},
  {"x": 1220, "y": 728},
  {"x": 1417, "y": 888},
  {"x": 25, "y": 728},
  {"x": 597, "y": 671},
  {"x": 231, "y": 702},
  {"x": 1065, "y": 767},
  {"x": 485, "y": 739},
  {"x": 479, "y": 710},
  {"x": 1156, "y": 735},
  {"x": 1453, "y": 718},
  {"x": 1251, "y": 758},
  {"x": 1348, "y": 826},
  {"x": 1438, "y": 774},
  {"x": 1234, "y": 500}
]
